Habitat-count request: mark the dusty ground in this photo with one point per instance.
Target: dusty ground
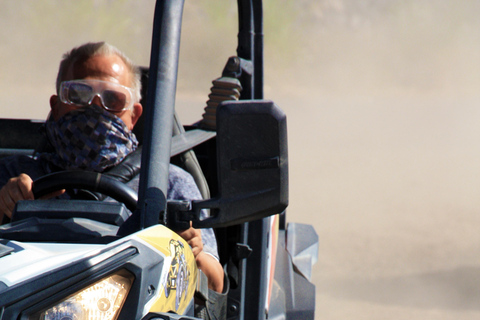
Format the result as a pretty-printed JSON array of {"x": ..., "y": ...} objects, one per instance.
[
  {"x": 384, "y": 149},
  {"x": 391, "y": 187}
]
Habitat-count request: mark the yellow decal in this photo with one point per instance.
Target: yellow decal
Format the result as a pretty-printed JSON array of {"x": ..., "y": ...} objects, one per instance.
[{"x": 178, "y": 286}]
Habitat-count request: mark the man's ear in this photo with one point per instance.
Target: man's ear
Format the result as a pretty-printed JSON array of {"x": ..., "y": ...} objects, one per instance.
[
  {"x": 54, "y": 106},
  {"x": 136, "y": 112}
]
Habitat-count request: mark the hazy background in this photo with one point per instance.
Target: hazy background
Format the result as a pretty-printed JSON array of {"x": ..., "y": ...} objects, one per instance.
[{"x": 384, "y": 128}]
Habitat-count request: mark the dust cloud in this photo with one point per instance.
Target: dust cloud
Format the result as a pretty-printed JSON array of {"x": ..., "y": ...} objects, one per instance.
[{"x": 382, "y": 104}]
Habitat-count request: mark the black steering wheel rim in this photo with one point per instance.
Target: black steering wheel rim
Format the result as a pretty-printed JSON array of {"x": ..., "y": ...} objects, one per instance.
[{"x": 92, "y": 181}]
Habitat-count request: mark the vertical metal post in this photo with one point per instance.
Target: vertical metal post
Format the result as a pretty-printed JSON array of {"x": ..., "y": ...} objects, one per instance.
[
  {"x": 255, "y": 234},
  {"x": 159, "y": 111},
  {"x": 245, "y": 48},
  {"x": 258, "y": 49}
]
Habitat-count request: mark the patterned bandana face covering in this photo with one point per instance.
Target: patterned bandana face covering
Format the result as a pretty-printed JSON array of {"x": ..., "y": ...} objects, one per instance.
[{"x": 90, "y": 139}]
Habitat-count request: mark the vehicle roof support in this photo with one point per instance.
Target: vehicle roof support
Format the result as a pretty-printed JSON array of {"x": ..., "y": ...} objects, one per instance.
[
  {"x": 159, "y": 111},
  {"x": 250, "y": 44}
]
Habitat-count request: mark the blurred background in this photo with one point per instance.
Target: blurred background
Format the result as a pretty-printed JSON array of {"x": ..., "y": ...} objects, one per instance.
[{"x": 384, "y": 128}]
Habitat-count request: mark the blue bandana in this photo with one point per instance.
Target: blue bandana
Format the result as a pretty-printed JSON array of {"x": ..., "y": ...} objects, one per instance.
[{"x": 90, "y": 138}]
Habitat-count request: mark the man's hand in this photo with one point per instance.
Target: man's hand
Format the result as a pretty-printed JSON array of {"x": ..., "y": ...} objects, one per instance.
[
  {"x": 16, "y": 189},
  {"x": 205, "y": 262},
  {"x": 194, "y": 240}
]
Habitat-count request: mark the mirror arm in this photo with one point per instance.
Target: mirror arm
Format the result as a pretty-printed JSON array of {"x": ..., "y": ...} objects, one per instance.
[
  {"x": 179, "y": 215},
  {"x": 181, "y": 212}
]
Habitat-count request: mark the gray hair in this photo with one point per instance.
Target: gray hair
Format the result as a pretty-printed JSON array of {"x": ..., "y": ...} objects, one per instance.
[{"x": 92, "y": 49}]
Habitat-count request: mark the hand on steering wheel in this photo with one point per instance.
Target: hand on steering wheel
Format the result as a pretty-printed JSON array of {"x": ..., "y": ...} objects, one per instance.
[{"x": 91, "y": 181}]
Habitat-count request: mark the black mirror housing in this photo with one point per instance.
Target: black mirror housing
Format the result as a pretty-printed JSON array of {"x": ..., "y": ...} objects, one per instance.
[{"x": 252, "y": 164}]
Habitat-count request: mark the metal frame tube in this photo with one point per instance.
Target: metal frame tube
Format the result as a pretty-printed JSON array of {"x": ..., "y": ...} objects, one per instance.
[{"x": 159, "y": 111}]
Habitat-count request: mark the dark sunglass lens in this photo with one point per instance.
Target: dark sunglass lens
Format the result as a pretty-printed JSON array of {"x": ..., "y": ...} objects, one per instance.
[
  {"x": 114, "y": 100},
  {"x": 80, "y": 93}
]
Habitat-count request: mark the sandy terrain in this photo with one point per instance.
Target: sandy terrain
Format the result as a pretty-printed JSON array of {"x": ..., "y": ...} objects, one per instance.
[
  {"x": 391, "y": 187},
  {"x": 384, "y": 149}
]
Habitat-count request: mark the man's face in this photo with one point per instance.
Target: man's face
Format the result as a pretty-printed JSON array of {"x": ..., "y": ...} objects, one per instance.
[{"x": 105, "y": 68}]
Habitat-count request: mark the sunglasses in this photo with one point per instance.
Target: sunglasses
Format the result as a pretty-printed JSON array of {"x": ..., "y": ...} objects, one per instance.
[{"x": 114, "y": 97}]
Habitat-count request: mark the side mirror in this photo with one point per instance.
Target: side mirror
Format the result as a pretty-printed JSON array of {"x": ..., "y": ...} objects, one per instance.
[{"x": 252, "y": 164}]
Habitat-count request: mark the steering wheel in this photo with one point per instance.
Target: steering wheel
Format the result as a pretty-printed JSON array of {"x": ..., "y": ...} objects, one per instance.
[{"x": 92, "y": 181}]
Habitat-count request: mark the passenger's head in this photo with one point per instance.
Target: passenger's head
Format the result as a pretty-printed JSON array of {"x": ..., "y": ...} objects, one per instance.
[{"x": 108, "y": 72}]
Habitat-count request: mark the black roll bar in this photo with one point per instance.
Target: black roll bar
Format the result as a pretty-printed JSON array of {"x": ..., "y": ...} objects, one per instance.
[
  {"x": 258, "y": 48},
  {"x": 160, "y": 106},
  {"x": 250, "y": 45}
]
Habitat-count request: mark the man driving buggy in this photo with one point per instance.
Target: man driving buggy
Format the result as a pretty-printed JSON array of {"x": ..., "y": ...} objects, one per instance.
[{"x": 90, "y": 128}]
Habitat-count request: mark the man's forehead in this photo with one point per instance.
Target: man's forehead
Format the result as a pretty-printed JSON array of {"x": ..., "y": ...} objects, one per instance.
[{"x": 110, "y": 68}]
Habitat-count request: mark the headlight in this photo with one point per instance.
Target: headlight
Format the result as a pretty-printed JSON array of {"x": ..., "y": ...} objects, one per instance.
[{"x": 100, "y": 301}]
